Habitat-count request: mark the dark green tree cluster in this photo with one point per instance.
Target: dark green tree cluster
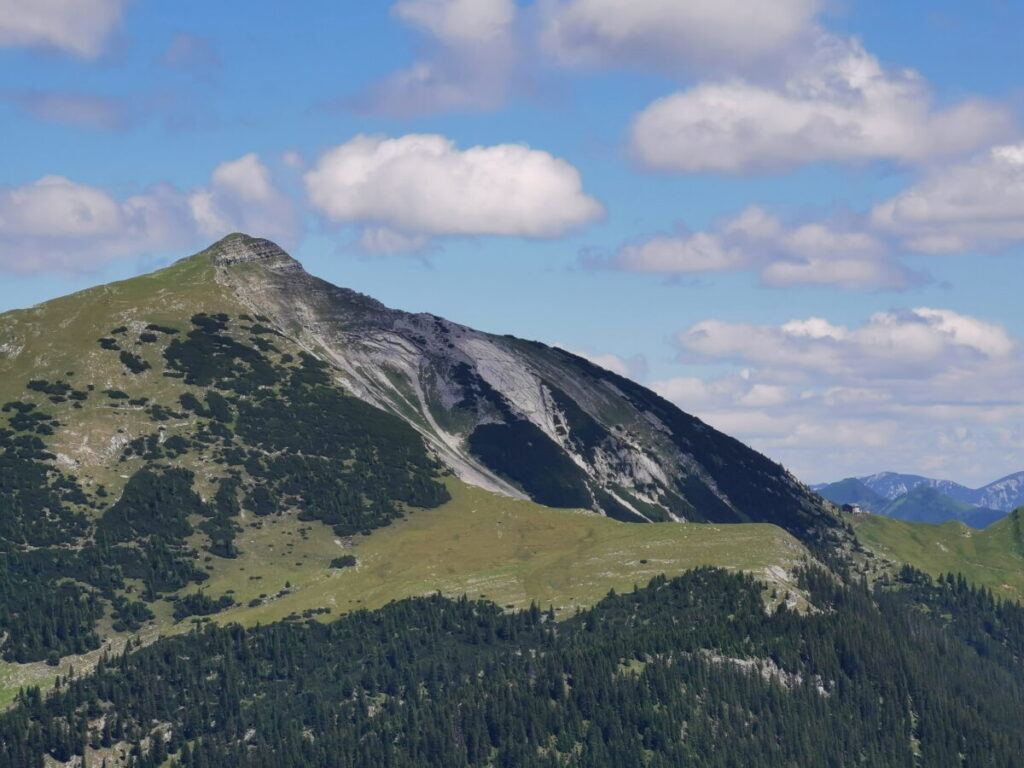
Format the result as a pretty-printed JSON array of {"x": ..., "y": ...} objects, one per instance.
[
  {"x": 129, "y": 614},
  {"x": 210, "y": 356},
  {"x": 200, "y": 604},
  {"x": 56, "y": 392},
  {"x": 521, "y": 452},
  {"x": 332, "y": 456},
  {"x": 34, "y": 497},
  {"x": 40, "y": 611},
  {"x": 41, "y": 617},
  {"x": 134, "y": 363}
]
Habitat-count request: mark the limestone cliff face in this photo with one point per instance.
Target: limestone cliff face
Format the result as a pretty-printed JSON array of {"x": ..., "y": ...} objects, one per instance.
[{"x": 515, "y": 416}]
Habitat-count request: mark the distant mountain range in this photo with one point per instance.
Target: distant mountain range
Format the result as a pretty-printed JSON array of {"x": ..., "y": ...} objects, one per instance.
[{"x": 916, "y": 498}]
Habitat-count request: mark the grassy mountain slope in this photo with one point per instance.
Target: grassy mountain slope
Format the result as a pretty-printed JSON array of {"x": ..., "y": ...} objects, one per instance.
[
  {"x": 146, "y": 423},
  {"x": 170, "y": 454},
  {"x": 992, "y": 558},
  {"x": 480, "y": 544},
  {"x": 513, "y": 552}
]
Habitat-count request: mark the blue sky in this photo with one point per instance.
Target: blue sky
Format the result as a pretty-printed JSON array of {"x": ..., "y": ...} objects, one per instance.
[{"x": 802, "y": 220}]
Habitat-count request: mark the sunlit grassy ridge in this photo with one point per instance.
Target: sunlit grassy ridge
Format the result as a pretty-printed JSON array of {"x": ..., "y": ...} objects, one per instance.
[
  {"x": 993, "y": 558},
  {"x": 511, "y": 552}
]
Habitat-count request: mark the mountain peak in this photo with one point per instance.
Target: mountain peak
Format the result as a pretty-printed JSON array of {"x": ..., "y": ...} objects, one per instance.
[{"x": 240, "y": 248}]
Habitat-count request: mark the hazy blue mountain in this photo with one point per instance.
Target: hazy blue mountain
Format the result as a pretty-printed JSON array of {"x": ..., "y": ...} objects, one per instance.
[
  {"x": 892, "y": 485},
  {"x": 927, "y": 504},
  {"x": 852, "y": 491},
  {"x": 1004, "y": 495}
]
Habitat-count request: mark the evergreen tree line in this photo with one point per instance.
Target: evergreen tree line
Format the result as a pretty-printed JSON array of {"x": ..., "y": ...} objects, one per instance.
[{"x": 691, "y": 671}]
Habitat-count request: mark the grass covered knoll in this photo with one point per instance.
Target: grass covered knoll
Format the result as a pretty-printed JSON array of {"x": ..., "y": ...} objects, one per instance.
[
  {"x": 504, "y": 550},
  {"x": 992, "y": 558}
]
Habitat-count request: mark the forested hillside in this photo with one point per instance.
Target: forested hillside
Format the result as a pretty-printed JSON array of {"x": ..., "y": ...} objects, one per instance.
[{"x": 691, "y": 671}]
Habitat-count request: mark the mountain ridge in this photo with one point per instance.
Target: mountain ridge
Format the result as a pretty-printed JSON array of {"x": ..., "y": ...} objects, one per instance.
[
  {"x": 1004, "y": 494},
  {"x": 923, "y": 503},
  {"x": 928, "y": 504},
  {"x": 155, "y": 431}
]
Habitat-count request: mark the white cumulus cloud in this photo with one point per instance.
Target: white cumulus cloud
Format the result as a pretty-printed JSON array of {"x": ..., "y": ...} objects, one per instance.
[
  {"x": 977, "y": 204},
  {"x": 56, "y": 224},
  {"x": 80, "y": 27},
  {"x": 893, "y": 344},
  {"x": 840, "y": 106},
  {"x": 241, "y": 196},
  {"x": 425, "y": 185}
]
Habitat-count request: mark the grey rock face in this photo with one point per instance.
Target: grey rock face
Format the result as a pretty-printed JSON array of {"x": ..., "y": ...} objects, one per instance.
[{"x": 242, "y": 249}]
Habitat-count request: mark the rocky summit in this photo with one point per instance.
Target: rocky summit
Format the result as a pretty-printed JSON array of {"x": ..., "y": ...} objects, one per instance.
[{"x": 515, "y": 416}]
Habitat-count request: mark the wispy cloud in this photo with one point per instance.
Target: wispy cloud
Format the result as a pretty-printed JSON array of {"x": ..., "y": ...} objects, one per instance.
[
  {"x": 193, "y": 54},
  {"x": 837, "y": 253},
  {"x": 79, "y": 27},
  {"x": 469, "y": 61},
  {"x": 78, "y": 109},
  {"x": 674, "y": 37}
]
